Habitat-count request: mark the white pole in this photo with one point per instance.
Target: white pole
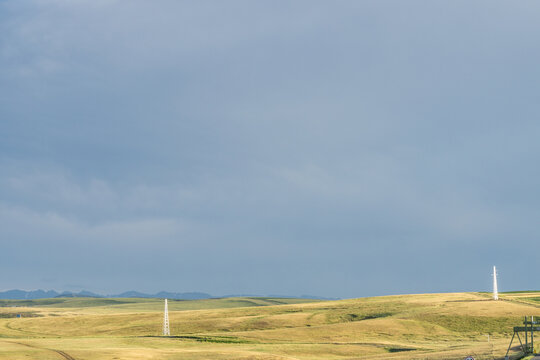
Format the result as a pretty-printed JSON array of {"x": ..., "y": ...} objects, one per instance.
[
  {"x": 495, "y": 288},
  {"x": 166, "y": 330}
]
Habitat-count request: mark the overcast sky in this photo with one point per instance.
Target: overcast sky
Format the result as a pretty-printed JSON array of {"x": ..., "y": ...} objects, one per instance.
[{"x": 340, "y": 149}]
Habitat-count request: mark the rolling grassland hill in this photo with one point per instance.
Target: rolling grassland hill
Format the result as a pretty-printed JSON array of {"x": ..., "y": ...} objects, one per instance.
[{"x": 427, "y": 326}]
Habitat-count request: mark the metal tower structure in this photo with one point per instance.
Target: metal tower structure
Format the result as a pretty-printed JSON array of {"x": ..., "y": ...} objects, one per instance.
[
  {"x": 531, "y": 326},
  {"x": 495, "y": 288},
  {"x": 166, "y": 330}
]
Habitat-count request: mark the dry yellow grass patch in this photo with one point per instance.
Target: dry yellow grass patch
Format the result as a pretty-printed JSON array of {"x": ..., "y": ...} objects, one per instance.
[{"x": 427, "y": 326}]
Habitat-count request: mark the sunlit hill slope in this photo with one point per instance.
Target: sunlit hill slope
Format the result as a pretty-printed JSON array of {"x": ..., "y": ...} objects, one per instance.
[{"x": 428, "y": 326}]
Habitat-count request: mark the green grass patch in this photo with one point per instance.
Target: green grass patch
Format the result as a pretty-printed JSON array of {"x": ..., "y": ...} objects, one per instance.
[
  {"x": 537, "y": 298},
  {"x": 26, "y": 314},
  {"x": 63, "y": 302},
  {"x": 360, "y": 317},
  {"x": 398, "y": 349},
  {"x": 473, "y": 324},
  {"x": 208, "y": 339}
]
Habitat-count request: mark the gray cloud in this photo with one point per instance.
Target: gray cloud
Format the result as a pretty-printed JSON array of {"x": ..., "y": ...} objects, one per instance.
[{"x": 268, "y": 147}]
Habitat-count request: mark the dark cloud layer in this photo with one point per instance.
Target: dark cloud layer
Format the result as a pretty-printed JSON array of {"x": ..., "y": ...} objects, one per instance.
[{"x": 339, "y": 149}]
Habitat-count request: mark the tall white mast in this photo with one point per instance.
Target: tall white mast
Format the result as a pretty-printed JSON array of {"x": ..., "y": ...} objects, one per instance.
[
  {"x": 166, "y": 330},
  {"x": 495, "y": 289}
]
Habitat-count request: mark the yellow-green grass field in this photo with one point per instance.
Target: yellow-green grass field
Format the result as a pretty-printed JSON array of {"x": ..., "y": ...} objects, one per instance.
[{"x": 427, "y": 326}]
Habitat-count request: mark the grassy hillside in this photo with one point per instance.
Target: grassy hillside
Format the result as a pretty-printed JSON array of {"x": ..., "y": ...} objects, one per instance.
[{"x": 429, "y": 326}]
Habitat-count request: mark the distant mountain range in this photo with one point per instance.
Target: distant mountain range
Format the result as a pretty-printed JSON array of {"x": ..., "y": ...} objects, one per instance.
[{"x": 42, "y": 294}]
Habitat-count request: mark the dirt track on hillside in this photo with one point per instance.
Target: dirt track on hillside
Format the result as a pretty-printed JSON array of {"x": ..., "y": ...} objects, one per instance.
[{"x": 59, "y": 352}]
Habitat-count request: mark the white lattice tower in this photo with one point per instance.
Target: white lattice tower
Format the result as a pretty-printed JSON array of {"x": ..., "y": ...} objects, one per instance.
[
  {"x": 166, "y": 330},
  {"x": 495, "y": 288}
]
